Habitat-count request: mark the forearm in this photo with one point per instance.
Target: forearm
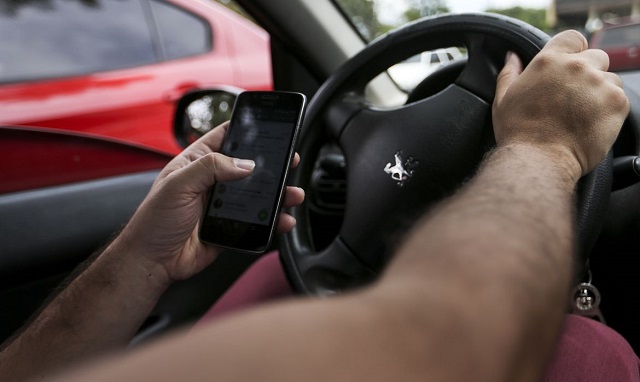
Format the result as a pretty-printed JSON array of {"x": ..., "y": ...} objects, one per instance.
[
  {"x": 502, "y": 310},
  {"x": 99, "y": 311}
]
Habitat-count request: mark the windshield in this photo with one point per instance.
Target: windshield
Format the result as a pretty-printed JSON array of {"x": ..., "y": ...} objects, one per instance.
[{"x": 372, "y": 18}]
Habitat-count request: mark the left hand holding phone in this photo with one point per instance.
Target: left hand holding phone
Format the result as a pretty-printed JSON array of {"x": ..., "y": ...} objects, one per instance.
[{"x": 164, "y": 230}]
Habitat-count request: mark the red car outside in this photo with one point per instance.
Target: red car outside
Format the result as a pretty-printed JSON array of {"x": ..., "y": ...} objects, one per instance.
[
  {"x": 622, "y": 43},
  {"x": 117, "y": 69}
]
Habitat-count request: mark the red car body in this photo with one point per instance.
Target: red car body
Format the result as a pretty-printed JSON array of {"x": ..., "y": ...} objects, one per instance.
[
  {"x": 622, "y": 43},
  {"x": 36, "y": 158},
  {"x": 137, "y": 104}
]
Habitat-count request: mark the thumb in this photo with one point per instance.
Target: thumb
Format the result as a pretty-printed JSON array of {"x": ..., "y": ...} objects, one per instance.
[
  {"x": 199, "y": 175},
  {"x": 509, "y": 73}
]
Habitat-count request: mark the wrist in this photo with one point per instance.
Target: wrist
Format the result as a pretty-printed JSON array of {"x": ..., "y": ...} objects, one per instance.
[
  {"x": 558, "y": 158},
  {"x": 148, "y": 274}
]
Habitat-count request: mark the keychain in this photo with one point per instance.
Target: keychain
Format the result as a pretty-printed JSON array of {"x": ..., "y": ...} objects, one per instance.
[{"x": 585, "y": 301}]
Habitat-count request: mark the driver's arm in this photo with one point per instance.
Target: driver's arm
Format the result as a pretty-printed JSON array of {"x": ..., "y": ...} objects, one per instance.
[{"x": 478, "y": 290}]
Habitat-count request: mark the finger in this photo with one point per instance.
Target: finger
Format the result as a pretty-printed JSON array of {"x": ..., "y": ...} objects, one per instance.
[
  {"x": 509, "y": 73},
  {"x": 617, "y": 96},
  {"x": 596, "y": 57},
  {"x": 197, "y": 176},
  {"x": 614, "y": 79},
  {"x": 208, "y": 143},
  {"x": 296, "y": 160},
  {"x": 285, "y": 223},
  {"x": 294, "y": 196},
  {"x": 570, "y": 41}
]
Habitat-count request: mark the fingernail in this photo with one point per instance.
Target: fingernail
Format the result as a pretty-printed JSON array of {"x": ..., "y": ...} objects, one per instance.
[{"x": 245, "y": 164}]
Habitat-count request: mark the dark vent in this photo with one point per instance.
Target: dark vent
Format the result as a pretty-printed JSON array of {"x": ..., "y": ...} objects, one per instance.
[{"x": 328, "y": 184}]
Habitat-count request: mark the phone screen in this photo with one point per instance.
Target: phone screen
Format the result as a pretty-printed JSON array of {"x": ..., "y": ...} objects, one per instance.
[{"x": 242, "y": 214}]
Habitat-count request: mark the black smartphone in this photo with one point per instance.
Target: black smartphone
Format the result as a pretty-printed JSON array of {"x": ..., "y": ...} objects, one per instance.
[{"x": 242, "y": 214}]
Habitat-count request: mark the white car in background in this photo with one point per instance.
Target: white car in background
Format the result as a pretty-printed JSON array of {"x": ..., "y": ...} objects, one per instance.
[{"x": 410, "y": 72}]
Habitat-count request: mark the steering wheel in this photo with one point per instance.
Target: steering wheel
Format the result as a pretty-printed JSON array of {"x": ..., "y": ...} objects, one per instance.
[{"x": 400, "y": 161}]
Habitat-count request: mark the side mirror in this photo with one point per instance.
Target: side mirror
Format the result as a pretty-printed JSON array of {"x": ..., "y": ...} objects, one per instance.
[{"x": 200, "y": 111}]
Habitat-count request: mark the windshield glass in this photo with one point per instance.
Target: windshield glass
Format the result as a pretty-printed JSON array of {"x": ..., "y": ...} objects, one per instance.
[
  {"x": 372, "y": 18},
  {"x": 375, "y": 17}
]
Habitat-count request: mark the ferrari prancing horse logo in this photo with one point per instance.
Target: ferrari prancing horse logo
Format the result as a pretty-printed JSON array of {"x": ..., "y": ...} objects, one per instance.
[{"x": 401, "y": 172}]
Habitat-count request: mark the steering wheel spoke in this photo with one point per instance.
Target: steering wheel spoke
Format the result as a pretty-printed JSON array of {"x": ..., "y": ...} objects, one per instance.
[
  {"x": 341, "y": 112},
  {"x": 485, "y": 61},
  {"x": 331, "y": 270}
]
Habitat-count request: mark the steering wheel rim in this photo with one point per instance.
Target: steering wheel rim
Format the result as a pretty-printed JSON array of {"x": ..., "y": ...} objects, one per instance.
[{"x": 457, "y": 118}]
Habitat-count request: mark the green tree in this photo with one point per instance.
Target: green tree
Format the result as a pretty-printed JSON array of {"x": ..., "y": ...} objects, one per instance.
[
  {"x": 12, "y": 7},
  {"x": 363, "y": 15},
  {"x": 535, "y": 17},
  {"x": 235, "y": 7},
  {"x": 424, "y": 8}
]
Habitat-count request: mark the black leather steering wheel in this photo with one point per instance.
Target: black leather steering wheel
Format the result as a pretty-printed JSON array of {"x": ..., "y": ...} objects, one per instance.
[{"x": 402, "y": 160}]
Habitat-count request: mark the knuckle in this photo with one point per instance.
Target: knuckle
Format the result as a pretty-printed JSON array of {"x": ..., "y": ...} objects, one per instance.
[
  {"x": 218, "y": 159},
  {"x": 621, "y": 99},
  {"x": 210, "y": 163},
  {"x": 577, "y": 38},
  {"x": 594, "y": 77},
  {"x": 603, "y": 55},
  {"x": 543, "y": 60},
  {"x": 577, "y": 66}
]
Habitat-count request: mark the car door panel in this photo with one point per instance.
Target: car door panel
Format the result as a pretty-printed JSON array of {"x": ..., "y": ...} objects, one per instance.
[
  {"x": 63, "y": 224},
  {"x": 62, "y": 196},
  {"x": 45, "y": 233},
  {"x": 41, "y": 157}
]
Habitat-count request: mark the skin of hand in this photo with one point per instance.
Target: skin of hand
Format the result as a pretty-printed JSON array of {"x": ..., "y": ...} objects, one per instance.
[
  {"x": 165, "y": 227},
  {"x": 579, "y": 106}
]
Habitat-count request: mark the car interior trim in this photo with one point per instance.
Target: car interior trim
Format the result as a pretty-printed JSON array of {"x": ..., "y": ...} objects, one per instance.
[{"x": 85, "y": 214}]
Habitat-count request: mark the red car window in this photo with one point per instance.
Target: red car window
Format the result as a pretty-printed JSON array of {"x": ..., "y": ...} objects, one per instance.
[
  {"x": 621, "y": 36},
  {"x": 181, "y": 34},
  {"x": 46, "y": 39}
]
